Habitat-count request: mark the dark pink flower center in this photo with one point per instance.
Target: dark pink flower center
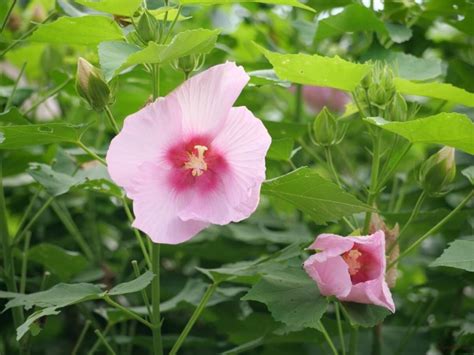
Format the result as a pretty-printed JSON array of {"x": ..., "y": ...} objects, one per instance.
[
  {"x": 195, "y": 163},
  {"x": 363, "y": 266}
]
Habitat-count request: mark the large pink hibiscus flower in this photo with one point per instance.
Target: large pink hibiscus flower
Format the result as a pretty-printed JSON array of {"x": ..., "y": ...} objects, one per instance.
[{"x": 190, "y": 159}]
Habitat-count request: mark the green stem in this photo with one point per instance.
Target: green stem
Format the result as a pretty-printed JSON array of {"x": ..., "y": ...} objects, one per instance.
[
  {"x": 97, "y": 343},
  {"x": 7, "y": 16},
  {"x": 21, "y": 233},
  {"x": 125, "y": 310},
  {"x": 353, "y": 341},
  {"x": 137, "y": 234},
  {"x": 105, "y": 342},
  {"x": 47, "y": 96},
  {"x": 197, "y": 312},
  {"x": 27, "y": 212},
  {"x": 15, "y": 85},
  {"x": 339, "y": 327},
  {"x": 298, "y": 102},
  {"x": 170, "y": 29},
  {"x": 413, "y": 215},
  {"x": 155, "y": 299},
  {"x": 327, "y": 151},
  {"x": 91, "y": 153},
  {"x": 72, "y": 228},
  {"x": 136, "y": 270},
  {"x": 81, "y": 337},
  {"x": 327, "y": 337},
  {"x": 433, "y": 230},
  {"x": 377, "y": 340},
  {"x": 24, "y": 263},
  {"x": 25, "y": 35},
  {"x": 8, "y": 263},
  {"x": 111, "y": 119},
  {"x": 373, "y": 180}
]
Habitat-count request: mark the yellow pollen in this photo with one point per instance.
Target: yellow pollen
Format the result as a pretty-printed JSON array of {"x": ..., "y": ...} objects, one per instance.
[
  {"x": 197, "y": 162},
  {"x": 351, "y": 260}
]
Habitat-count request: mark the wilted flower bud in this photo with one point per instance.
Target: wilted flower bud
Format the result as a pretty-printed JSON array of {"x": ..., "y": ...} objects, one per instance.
[
  {"x": 325, "y": 128},
  {"x": 148, "y": 27},
  {"x": 438, "y": 171},
  {"x": 91, "y": 85},
  {"x": 398, "y": 109},
  {"x": 189, "y": 63}
]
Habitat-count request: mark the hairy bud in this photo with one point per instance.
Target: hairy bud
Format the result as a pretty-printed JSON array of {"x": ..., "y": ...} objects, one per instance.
[
  {"x": 91, "y": 85},
  {"x": 326, "y": 130},
  {"x": 438, "y": 171},
  {"x": 189, "y": 64},
  {"x": 148, "y": 27},
  {"x": 398, "y": 109}
]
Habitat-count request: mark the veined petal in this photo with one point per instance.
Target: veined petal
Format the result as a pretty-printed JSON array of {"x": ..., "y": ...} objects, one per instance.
[
  {"x": 144, "y": 137},
  {"x": 331, "y": 275},
  {"x": 155, "y": 207},
  {"x": 206, "y": 99},
  {"x": 243, "y": 142}
]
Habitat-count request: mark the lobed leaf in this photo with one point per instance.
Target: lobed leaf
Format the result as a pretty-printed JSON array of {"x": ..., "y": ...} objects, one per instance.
[
  {"x": 292, "y": 298},
  {"x": 135, "y": 285},
  {"x": 321, "y": 199},
  {"x": 433, "y": 130},
  {"x": 19, "y": 136},
  {"x": 85, "y": 30},
  {"x": 114, "y": 7},
  {"x": 459, "y": 255}
]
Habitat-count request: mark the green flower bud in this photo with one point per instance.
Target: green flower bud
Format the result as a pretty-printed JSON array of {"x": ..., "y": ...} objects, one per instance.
[
  {"x": 148, "y": 27},
  {"x": 189, "y": 63},
  {"x": 325, "y": 130},
  {"x": 438, "y": 171},
  {"x": 398, "y": 109},
  {"x": 91, "y": 85}
]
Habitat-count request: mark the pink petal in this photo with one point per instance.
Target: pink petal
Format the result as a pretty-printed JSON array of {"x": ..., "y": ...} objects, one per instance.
[
  {"x": 331, "y": 245},
  {"x": 243, "y": 142},
  {"x": 155, "y": 207},
  {"x": 145, "y": 136},
  {"x": 372, "y": 292},
  {"x": 331, "y": 275},
  {"x": 206, "y": 98}
]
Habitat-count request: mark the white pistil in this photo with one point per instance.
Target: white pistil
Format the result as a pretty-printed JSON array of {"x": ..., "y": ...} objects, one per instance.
[{"x": 197, "y": 162}]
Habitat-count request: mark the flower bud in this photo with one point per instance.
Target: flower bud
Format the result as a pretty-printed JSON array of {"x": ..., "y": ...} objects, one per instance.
[
  {"x": 189, "y": 63},
  {"x": 91, "y": 85},
  {"x": 148, "y": 27},
  {"x": 438, "y": 171},
  {"x": 398, "y": 109},
  {"x": 325, "y": 132}
]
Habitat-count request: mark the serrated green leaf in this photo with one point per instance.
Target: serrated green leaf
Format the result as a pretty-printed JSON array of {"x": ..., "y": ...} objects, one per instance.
[
  {"x": 433, "y": 129},
  {"x": 469, "y": 174},
  {"x": 317, "y": 70},
  {"x": 31, "y": 320},
  {"x": 61, "y": 262},
  {"x": 292, "y": 298},
  {"x": 136, "y": 285},
  {"x": 85, "y": 30},
  {"x": 60, "y": 295},
  {"x": 19, "y": 136},
  {"x": 280, "y": 149},
  {"x": 440, "y": 91},
  {"x": 113, "y": 54},
  {"x": 57, "y": 183},
  {"x": 185, "y": 43},
  {"x": 459, "y": 255},
  {"x": 293, "y": 3},
  {"x": 353, "y": 18},
  {"x": 12, "y": 117},
  {"x": 114, "y": 7},
  {"x": 321, "y": 199},
  {"x": 364, "y": 315},
  {"x": 344, "y": 75}
]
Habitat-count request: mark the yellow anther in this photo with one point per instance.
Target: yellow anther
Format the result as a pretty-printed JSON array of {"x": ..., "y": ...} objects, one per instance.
[{"x": 197, "y": 162}]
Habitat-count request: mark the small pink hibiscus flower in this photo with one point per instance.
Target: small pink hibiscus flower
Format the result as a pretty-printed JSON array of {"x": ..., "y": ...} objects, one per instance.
[
  {"x": 351, "y": 268},
  {"x": 190, "y": 159}
]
